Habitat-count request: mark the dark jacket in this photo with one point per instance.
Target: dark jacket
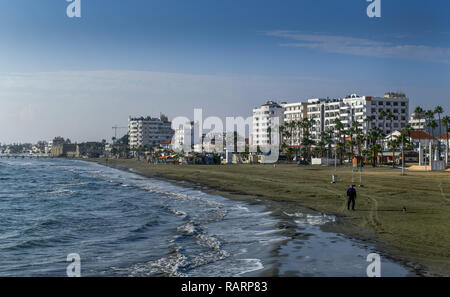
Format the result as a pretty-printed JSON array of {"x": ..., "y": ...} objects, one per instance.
[{"x": 351, "y": 193}]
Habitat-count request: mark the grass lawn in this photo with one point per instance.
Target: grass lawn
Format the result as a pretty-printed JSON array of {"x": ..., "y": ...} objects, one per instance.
[{"x": 421, "y": 234}]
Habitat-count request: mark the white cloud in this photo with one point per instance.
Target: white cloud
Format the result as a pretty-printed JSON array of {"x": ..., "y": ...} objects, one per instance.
[{"x": 363, "y": 47}]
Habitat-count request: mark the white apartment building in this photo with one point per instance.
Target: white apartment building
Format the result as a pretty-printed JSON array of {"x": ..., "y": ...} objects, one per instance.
[
  {"x": 149, "y": 131},
  {"x": 417, "y": 122},
  {"x": 323, "y": 112},
  {"x": 357, "y": 108},
  {"x": 262, "y": 120},
  {"x": 185, "y": 137},
  {"x": 295, "y": 112},
  {"x": 392, "y": 103},
  {"x": 420, "y": 123},
  {"x": 48, "y": 147}
]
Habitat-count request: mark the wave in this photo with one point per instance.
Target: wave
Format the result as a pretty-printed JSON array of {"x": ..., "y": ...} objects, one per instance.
[
  {"x": 60, "y": 192},
  {"x": 251, "y": 266},
  {"x": 166, "y": 266},
  {"x": 145, "y": 226},
  {"x": 312, "y": 219}
]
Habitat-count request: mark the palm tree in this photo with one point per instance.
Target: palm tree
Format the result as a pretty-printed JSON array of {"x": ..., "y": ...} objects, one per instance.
[
  {"x": 446, "y": 122},
  {"x": 284, "y": 134},
  {"x": 419, "y": 112},
  {"x": 320, "y": 148},
  {"x": 433, "y": 125},
  {"x": 307, "y": 142},
  {"x": 383, "y": 115},
  {"x": 292, "y": 125},
  {"x": 390, "y": 118},
  {"x": 368, "y": 121},
  {"x": 374, "y": 135},
  {"x": 407, "y": 129},
  {"x": 355, "y": 131},
  {"x": 339, "y": 127},
  {"x": 429, "y": 115},
  {"x": 439, "y": 110},
  {"x": 327, "y": 137}
]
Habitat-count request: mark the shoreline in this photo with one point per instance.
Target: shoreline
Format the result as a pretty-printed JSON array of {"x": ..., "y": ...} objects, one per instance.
[{"x": 342, "y": 224}]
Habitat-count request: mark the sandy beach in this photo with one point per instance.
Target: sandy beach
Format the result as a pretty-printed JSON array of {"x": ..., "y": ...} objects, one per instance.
[{"x": 417, "y": 237}]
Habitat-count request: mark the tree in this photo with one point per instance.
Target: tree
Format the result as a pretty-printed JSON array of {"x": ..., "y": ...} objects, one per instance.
[
  {"x": 429, "y": 115},
  {"x": 404, "y": 140},
  {"x": 353, "y": 133},
  {"x": 446, "y": 123},
  {"x": 124, "y": 139},
  {"x": 433, "y": 125},
  {"x": 393, "y": 145},
  {"x": 419, "y": 112},
  {"x": 439, "y": 110},
  {"x": 383, "y": 115},
  {"x": 407, "y": 130},
  {"x": 292, "y": 126},
  {"x": 374, "y": 135},
  {"x": 307, "y": 142},
  {"x": 340, "y": 146},
  {"x": 327, "y": 138}
]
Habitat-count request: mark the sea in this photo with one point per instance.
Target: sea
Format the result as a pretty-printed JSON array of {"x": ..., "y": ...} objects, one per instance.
[{"x": 122, "y": 224}]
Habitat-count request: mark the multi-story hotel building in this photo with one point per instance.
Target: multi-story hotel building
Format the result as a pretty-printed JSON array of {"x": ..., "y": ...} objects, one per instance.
[
  {"x": 324, "y": 112},
  {"x": 149, "y": 131},
  {"x": 295, "y": 112},
  {"x": 396, "y": 104},
  {"x": 262, "y": 120},
  {"x": 356, "y": 108}
]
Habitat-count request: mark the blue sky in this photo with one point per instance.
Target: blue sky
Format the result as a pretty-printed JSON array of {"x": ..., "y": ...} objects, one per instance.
[{"x": 141, "y": 57}]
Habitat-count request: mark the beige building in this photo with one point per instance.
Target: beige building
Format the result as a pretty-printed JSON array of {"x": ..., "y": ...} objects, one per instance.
[{"x": 65, "y": 150}]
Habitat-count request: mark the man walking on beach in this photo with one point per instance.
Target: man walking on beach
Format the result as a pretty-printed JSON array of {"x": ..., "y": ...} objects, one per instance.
[{"x": 351, "y": 194}]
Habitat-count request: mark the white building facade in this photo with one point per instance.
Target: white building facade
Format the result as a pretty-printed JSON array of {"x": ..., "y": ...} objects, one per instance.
[
  {"x": 184, "y": 138},
  {"x": 149, "y": 131},
  {"x": 354, "y": 108},
  {"x": 295, "y": 113},
  {"x": 262, "y": 121}
]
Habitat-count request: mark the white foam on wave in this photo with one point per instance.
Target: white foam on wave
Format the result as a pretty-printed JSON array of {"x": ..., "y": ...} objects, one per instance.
[
  {"x": 167, "y": 266},
  {"x": 312, "y": 219},
  {"x": 61, "y": 192},
  {"x": 251, "y": 265},
  {"x": 178, "y": 212},
  {"x": 240, "y": 207},
  {"x": 187, "y": 229}
]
